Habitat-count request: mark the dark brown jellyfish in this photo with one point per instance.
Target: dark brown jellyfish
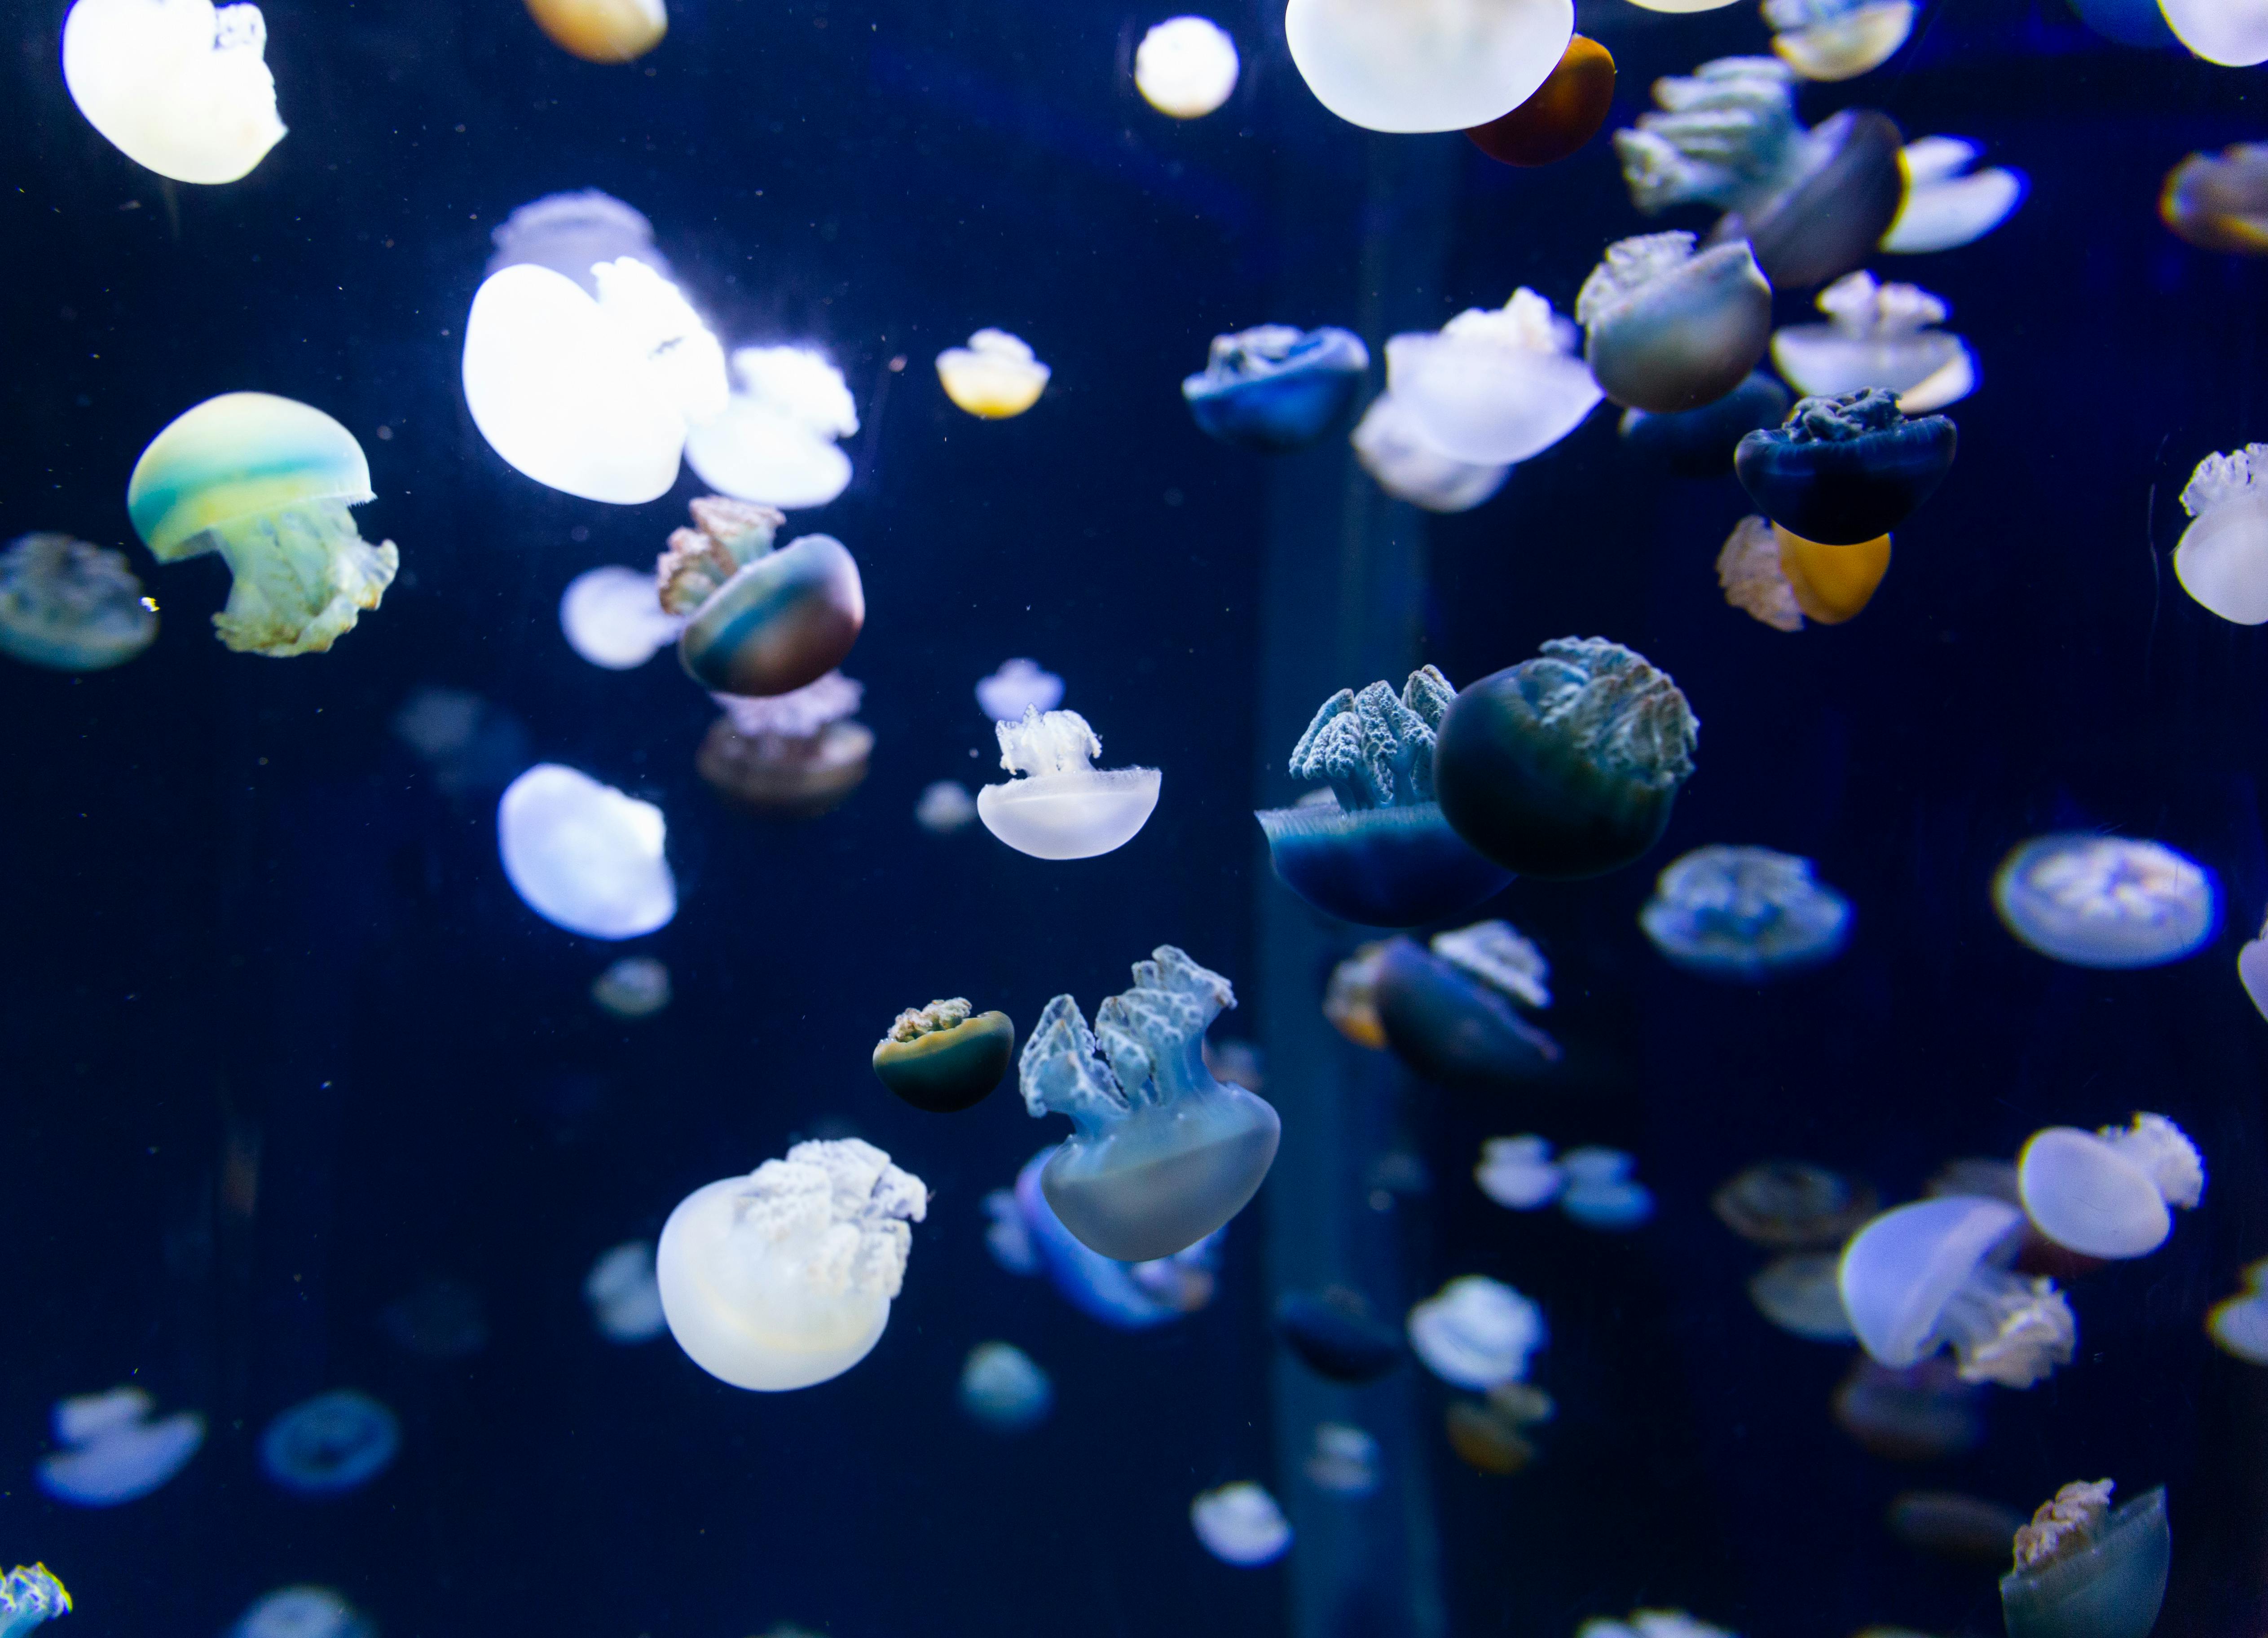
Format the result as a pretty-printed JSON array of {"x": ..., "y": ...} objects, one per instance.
[
  {"x": 945, "y": 1057},
  {"x": 1564, "y": 113},
  {"x": 796, "y": 755}
]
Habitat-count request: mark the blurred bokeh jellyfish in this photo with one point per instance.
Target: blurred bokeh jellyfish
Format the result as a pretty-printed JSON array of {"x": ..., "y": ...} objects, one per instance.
[
  {"x": 1002, "y": 1388},
  {"x": 2085, "y": 1569},
  {"x": 945, "y": 1057},
  {"x": 1241, "y": 1524},
  {"x": 1917, "y": 1412},
  {"x": 1922, "y": 1277},
  {"x": 330, "y": 1444},
  {"x": 583, "y": 856},
  {"x": 1650, "y": 1624},
  {"x": 1124, "y": 1295},
  {"x": 797, "y": 754},
  {"x": 1494, "y": 384},
  {"x": 1476, "y": 1332},
  {"x": 1699, "y": 442},
  {"x": 1744, "y": 914},
  {"x": 301, "y": 1612},
  {"x": 2232, "y": 33},
  {"x": 625, "y": 1295},
  {"x": 612, "y": 617},
  {"x": 1017, "y": 686},
  {"x": 1669, "y": 330},
  {"x": 1185, "y": 67},
  {"x": 1056, "y": 804},
  {"x": 1846, "y": 470},
  {"x": 2238, "y": 1323},
  {"x": 1162, "y": 1153},
  {"x": 1600, "y": 1193},
  {"x": 1832, "y": 40},
  {"x": 2223, "y": 559},
  {"x": 602, "y": 31},
  {"x": 1447, "y": 1011},
  {"x": 2105, "y": 1193},
  {"x": 2105, "y": 900},
  {"x": 758, "y": 622},
  {"x": 776, "y": 441},
  {"x": 176, "y": 86},
  {"x": 114, "y": 1450},
  {"x": 1789, "y": 1205},
  {"x": 1948, "y": 205},
  {"x": 2219, "y": 202},
  {"x": 636, "y": 986},
  {"x": 995, "y": 378},
  {"x": 267, "y": 483},
  {"x": 1275, "y": 387},
  {"x": 1798, "y": 1294},
  {"x": 1343, "y": 1460},
  {"x": 30, "y": 1596},
  {"x": 784, "y": 1277},
  {"x": 1434, "y": 66},
  {"x": 1564, "y": 113},
  {"x": 1490, "y": 1435},
  {"x": 1336, "y": 1335},
  {"x": 1877, "y": 336},
  {"x": 72, "y": 606},
  {"x": 1394, "y": 451},
  {"x": 944, "y": 807}
]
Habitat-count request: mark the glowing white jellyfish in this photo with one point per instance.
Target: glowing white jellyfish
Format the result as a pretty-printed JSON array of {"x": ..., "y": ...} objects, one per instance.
[
  {"x": 301, "y": 1612},
  {"x": 1494, "y": 384},
  {"x": 1186, "y": 67},
  {"x": 613, "y": 617},
  {"x": 1650, "y": 1623},
  {"x": 2106, "y": 1193},
  {"x": 1343, "y": 1460},
  {"x": 2105, "y": 900},
  {"x": 1517, "y": 1173},
  {"x": 2231, "y": 32},
  {"x": 176, "y": 86},
  {"x": 1002, "y": 1389},
  {"x": 1877, "y": 336},
  {"x": 1434, "y": 65},
  {"x": 1832, "y": 40},
  {"x": 625, "y": 1295},
  {"x": 1923, "y": 1277},
  {"x": 2222, "y": 560},
  {"x": 114, "y": 1450},
  {"x": 1239, "y": 1524},
  {"x": 775, "y": 441},
  {"x": 1058, "y": 805},
  {"x": 637, "y": 986},
  {"x": 583, "y": 856},
  {"x": 944, "y": 806},
  {"x": 2238, "y": 1324},
  {"x": 993, "y": 378},
  {"x": 1018, "y": 685},
  {"x": 30, "y": 1596},
  {"x": 1393, "y": 448},
  {"x": 1476, "y": 1331},
  {"x": 784, "y": 1277},
  {"x": 1947, "y": 204}
]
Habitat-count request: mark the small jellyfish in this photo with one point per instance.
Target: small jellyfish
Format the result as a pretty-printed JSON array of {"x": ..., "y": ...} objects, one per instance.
[
  {"x": 1399, "y": 459},
  {"x": 944, "y": 806},
  {"x": 1008, "y": 1237},
  {"x": 1491, "y": 1435},
  {"x": 1476, "y": 1332},
  {"x": 2105, "y": 1193},
  {"x": 2085, "y": 1569},
  {"x": 1337, "y": 1335},
  {"x": 1494, "y": 384},
  {"x": 1350, "y": 997},
  {"x": 2105, "y": 900},
  {"x": 2232, "y": 33},
  {"x": 1434, "y": 66},
  {"x": 1919, "y": 1413},
  {"x": 1877, "y": 336},
  {"x": 1241, "y": 1524},
  {"x": 758, "y": 622},
  {"x": 2238, "y": 1324},
  {"x": 1744, "y": 914},
  {"x": 602, "y": 31},
  {"x": 1600, "y": 1191},
  {"x": 945, "y": 1057},
  {"x": 1343, "y": 1460},
  {"x": 2223, "y": 559},
  {"x": 30, "y": 1596},
  {"x": 1921, "y": 1276},
  {"x": 1056, "y": 804},
  {"x": 1566, "y": 765},
  {"x": 784, "y": 1277},
  {"x": 2219, "y": 202},
  {"x": 797, "y": 754},
  {"x": 1793, "y": 1205},
  {"x": 1748, "y": 570},
  {"x": 1185, "y": 67},
  {"x": 1002, "y": 1389},
  {"x": 265, "y": 482},
  {"x": 571, "y": 234},
  {"x": 1017, "y": 686},
  {"x": 330, "y": 1444},
  {"x": 1951, "y": 1525},
  {"x": 442, "y": 1319},
  {"x": 1832, "y": 40},
  {"x": 613, "y": 617},
  {"x": 776, "y": 441},
  {"x": 1447, "y": 1011},
  {"x": 993, "y": 378},
  {"x": 175, "y": 85},
  {"x": 1124, "y": 1295},
  {"x": 1667, "y": 330},
  {"x": 1944, "y": 208},
  {"x": 583, "y": 856},
  {"x": 1846, "y": 470},
  {"x": 1239, "y": 1063},
  {"x": 114, "y": 1450},
  {"x": 1564, "y": 112},
  {"x": 72, "y": 606},
  {"x": 625, "y": 1295},
  {"x": 302, "y": 1612},
  {"x": 636, "y": 986},
  {"x": 1275, "y": 387},
  {"x": 1517, "y": 1173},
  {"x": 1798, "y": 1293},
  {"x": 1699, "y": 442}
]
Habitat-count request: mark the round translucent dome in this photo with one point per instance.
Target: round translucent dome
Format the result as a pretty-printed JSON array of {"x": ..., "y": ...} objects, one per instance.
[
  {"x": 613, "y": 619},
  {"x": 2105, "y": 1193},
  {"x": 1744, "y": 913},
  {"x": 1945, "y": 205},
  {"x": 2231, "y": 32},
  {"x": 176, "y": 86},
  {"x": 1017, "y": 686},
  {"x": 1494, "y": 384},
  {"x": 1239, "y": 1524},
  {"x": 2223, "y": 559},
  {"x": 2105, "y": 900},
  {"x": 583, "y": 856},
  {"x": 1393, "y": 449},
  {"x": 1186, "y": 67},
  {"x": 1426, "y": 65},
  {"x": 301, "y": 1612},
  {"x": 1921, "y": 1276},
  {"x": 1002, "y": 1388},
  {"x": 1059, "y": 805},
  {"x": 1476, "y": 1331},
  {"x": 332, "y": 1443},
  {"x": 624, "y": 1293}
]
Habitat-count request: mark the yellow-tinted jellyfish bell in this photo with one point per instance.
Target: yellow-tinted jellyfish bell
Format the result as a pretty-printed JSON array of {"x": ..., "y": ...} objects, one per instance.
[
  {"x": 265, "y": 482},
  {"x": 602, "y": 31},
  {"x": 1831, "y": 584},
  {"x": 1186, "y": 67},
  {"x": 994, "y": 377},
  {"x": 176, "y": 86}
]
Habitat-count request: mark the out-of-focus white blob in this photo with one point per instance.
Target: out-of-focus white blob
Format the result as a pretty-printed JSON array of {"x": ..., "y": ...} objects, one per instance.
[
  {"x": 1008, "y": 1237},
  {"x": 1517, "y": 1173},
  {"x": 1393, "y": 450},
  {"x": 2105, "y": 1193},
  {"x": 1476, "y": 1331},
  {"x": 114, "y": 1450},
  {"x": 571, "y": 233},
  {"x": 1058, "y": 805},
  {"x": 2232, "y": 33},
  {"x": 1185, "y": 66},
  {"x": 2105, "y": 900},
  {"x": 1002, "y": 1389},
  {"x": 1239, "y": 1524},
  {"x": 1343, "y": 1460},
  {"x": 2222, "y": 560},
  {"x": 330, "y": 1444},
  {"x": 637, "y": 986},
  {"x": 176, "y": 86},
  {"x": 1945, "y": 208},
  {"x": 1679, "y": 7},
  {"x": 1600, "y": 1191},
  {"x": 625, "y": 1295},
  {"x": 583, "y": 856},
  {"x": 944, "y": 806},
  {"x": 1877, "y": 336},
  {"x": 301, "y": 1612},
  {"x": 2239, "y": 1324},
  {"x": 1650, "y": 1624},
  {"x": 1426, "y": 65},
  {"x": 774, "y": 442},
  {"x": 1494, "y": 384},
  {"x": 784, "y": 1277},
  {"x": 1925, "y": 1276},
  {"x": 613, "y": 617},
  {"x": 994, "y": 377},
  {"x": 2253, "y": 971},
  {"x": 1832, "y": 40},
  {"x": 1018, "y": 685},
  {"x": 30, "y": 1596}
]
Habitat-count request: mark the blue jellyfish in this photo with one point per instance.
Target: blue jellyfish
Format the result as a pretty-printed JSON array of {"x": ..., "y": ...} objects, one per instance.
[
  {"x": 302, "y": 1612},
  {"x": 330, "y": 1444},
  {"x": 1699, "y": 443},
  {"x": 2106, "y": 1193},
  {"x": 2085, "y": 1569},
  {"x": 1335, "y": 1334},
  {"x": 72, "y": 606},
  {"x": 1275, "y": 387},
  {"x": 1600, "y": 1193},
  {"x": 1447, "y": 1011},
  {"x": 1847, "y": 469},
  {"x": 30, "y": 1596},
  {"x": 114, "y": 1450},
  {"x": 1026, "y": 1238},
  {"x": 2106, "y": 901},
  {"x": 1002, "y": 1389},
  {"x": 1744, "y": 913}
]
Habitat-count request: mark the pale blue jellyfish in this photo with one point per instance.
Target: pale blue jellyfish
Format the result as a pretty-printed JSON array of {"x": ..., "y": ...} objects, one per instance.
[
  {"x": 1744, "y": 914},
  {"x": 302, "y": 1612},
  {"x": 2085, "y": 1569},
  {"x": 624, "y": 1297},
  {"x": 1017, "y": 686},
  {"x": 1002, "y": 1389},
  {"x": 583, "y": 855},
  {"x": 30, "y": 1595},
  {"x": 1241, "y": 1524},
  {"x": 1931, "y": 1275},
  {"x": 1600, "y": 1191},
  {"x": 1006, "y": 1236},
  {"x": 114, "y": 1450},
  {"x": 1343, "y": 1460},
  {"x": 2106, "y": 901},
  {"x": 72, "y": 606},
  {"x": 1476, "y": 1333},
  {"x": 1275, "y": 387},
  {"x": 1026, "y": 1238},
  {"x": 2106, "y": 1193},
  {"x": 330, "y": 1444}
]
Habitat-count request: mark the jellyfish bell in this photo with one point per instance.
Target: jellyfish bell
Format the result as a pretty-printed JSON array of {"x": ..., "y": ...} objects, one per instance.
[
  {"x": 1336, "y": 1335},
  {"x": 175, "y": 85},
  {"x": 1185, "y": 67},
  {"x": 1837, "y": 39},
  {"x": 2219, "y": 202},
  {"x": 1921, "y": 1276},
  {"x": 1017, "y": 686},
  {"x": 330, "y": 1444},
  {"x": 1793, "y": 1205},
  {"x": 2223, "y": 559},
  {"x": 1434, "y": 66},
  {"x": 1699, "y": 442},
  {"x": 625, "y": 1295},
  {"x": 1517, "y": 1173},
  {"x": 775, "y": 440},
  {"x": 2106, "y": 1193},
  {"x": 1877, "y": 336},
  {"x": 1241, "y": 1524},
  {"x": 1341, "y": 1460},
  {"x": 1275, "y": 387},
  {"x": 2105, "y": 900},
  {"x": 2085, "y": 1569},
  {"x": 302, "y": 1612},
  {"x": 2238, "y": 1324},
  {"x": 1393, "y": 449},
  {"x": 945, "y": 1057},
  {"x": 1600, "y": 1193},
  {"x": 1476, "y": 1332},
  {"x": 602, "y": 31},
  {"x": 636, "y": 986},
  {"x": 612, "y": 619},
  {"x": 1002, "y": 1389},
  {"x": 944, "y": 807},
  {"x": 780, "y": 623},
  {"x": 1829, "y": 584},
  {"x": 1846, "y": 470},
  {"x": 1798, "y": 1293},
  {"x": 583, "y": 856},
  {"x": 1945, "y": 204},
  {"x": 1917, "y": 1412},
  {"x": 30, "y": 1596},
  {"x": 113, "y": 1449},
  {"x": 1666, "y": 329},
  {"x": 2232, "y": 33},
  {"x": 1560, "y": 116},
  {"x": 796, "y": 755},
  {"x": 1056, "y": 803},
  {"x": 1494, "y": 384},
  {"x": 994, "y": 378},
  {"x": 1744, "y": 914},
  {"x": 69, "y": 606},
  {"x": 1491, "y": 1435},
  {"x": 571, "y": 233},
  {"x": 1450, "y": 1018},
  {"x": 1124, "y": 1295}
]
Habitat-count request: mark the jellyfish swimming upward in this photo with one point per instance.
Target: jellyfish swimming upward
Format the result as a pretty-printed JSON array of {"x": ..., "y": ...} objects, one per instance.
[
  {"x": 177, "y": 86},
  {"x": 1057, "y": 804},
  {"x": 72, "y": 606},
  {"x": 1275, "y": 387}
]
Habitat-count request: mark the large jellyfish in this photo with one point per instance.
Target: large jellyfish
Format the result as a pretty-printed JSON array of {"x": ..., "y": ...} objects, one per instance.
[
  {"x": 2219, "y": 202},
  {"x": 1847, "y": 468},
  {"x": 602, "y": 31},
  {"x": 72, "y": 606},
  {"x": 758, "y": 622},
  {"x": 2231, "y": 32},
  {"x": 624, "y": 1293},
  {"x": 1669, "y": 330},
  {"x": 1337, "y": 1335},
  {"x": 1185, "y": 67},
  {"x": 1002, "y": 1388},
  {"x": 265, "y": 482},
  {"x": 302, "y": 1612},
  {"x": 1877, "y": 336},
  {"x": 30, "y": 1596},
  {"x": 1699, "y": 442},
  {"x": 1919, "y": 1412},
  {"x": 995, "y": 377},
  {"x": 776, "y": 441},
  {"x": 2085, "y": 1569},
  {"x": 1027, "y": 1237},
  {"x": 2105, "y": 1193},
  {"x": 1562, "y": 115},
  {"x": 1793, "y": 1205},
  {"x": 1832, "y": 40},
  {"x": 797, "y": 754},
  {"x": 784, "y": 1277},
  {"x": 945, "y": 1057},
  {"x": 1239, "y": 1524},
  {"x": 330, "y": 1444},
  {"x": 2223, "y": 559},
  {"x": 114, "y": 1450},
  {"x": 1056, "y": 803},
  {"x": 1434, "y": 66},
  {"x": 1947, "y": 204},
  {"x": 583, "y": 856},
  {"x": 1163, "y": 1153},
  {"x": 1922, "y": 1277},
  {"x": 1476, "y": 1332},
  {"x": 1494, "y": 385},
  {"x": 2238, "y": 1323},
  {"x": 636, "y": 986},
  {"x": 1343, "y": 1460},
  {"x": 1779, "y": 577},
  {"x": 1745, "y": 914},
  {"x": 1399, "y": 457},
  {"x": 176, "y": 86},
  {"x": 1017, "y": 686},
  {"x": 613, "y": 617},
  {"x": 1275, "y": 387},
  {"x": 2105, "y": 900},
  {"x": 1447, "y": 1012}
]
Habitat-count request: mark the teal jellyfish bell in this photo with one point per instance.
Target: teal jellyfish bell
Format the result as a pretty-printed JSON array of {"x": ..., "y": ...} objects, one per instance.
[
  {"x": 1275, "y": 387},
  {"x": 945, "y": 1057},
  {"x": 1449, "y": 1026},
  {"x": 783, "y": 621},
  {"x": 2086, "y": 1570}
]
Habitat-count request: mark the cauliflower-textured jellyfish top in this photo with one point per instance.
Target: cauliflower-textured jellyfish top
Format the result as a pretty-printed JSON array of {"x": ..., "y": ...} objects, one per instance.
[
  {"x": 727, "y": 536},
  {"x": 625, "y": 1298},
  {"x": 2219, "y": 202},
  {"x": 1499, "y": 956},
  {"x": 114, "y": 1450},
  {"x": 1798, "y": 1294},
  {"x": 775, "y": 440},
  {"x": 2085, "y": 1569},
  {"x": 1494, "y": 384},
  {"x": 613, "y": 619},
  {"x": 1650, "y": 1624},
  {"x": 332, "y": 1443},
  {"x": 602, "y": 31},
  {"x": 1239, "y": 1524},
  {"x": 2230, "y": 33},
  {"x": 1001, "y": 1387},
  {"x": 2105, "y": 1193},
  {"x": 1744, "y": 913},
  {"x": 1668, "y": 330},
  {"x": 994, "y": 377},
  {"x": 1877, "y": 336},
  {"x": 2105, "y": 900},
  {"x": 1432, "y": 66},
  {"x": 1476, "y": 1331},
  {"x": 944, "y": 806},
  {"x": 1832, "y": 40},
  {"x": 2064, "y": 1524},
  {"x": 1846, "y": 469},
  {"x": 29, "y": 1596},
  {"x": 1017, "y": 686},
  {"x": 1343, "y": 1459},
  {"x": 72, "y": 606},
  {"x": 1791, "y": 1204},
  {"x": 637, "y": 986},
  {"x": 1372, "y": 748},
  {"x": 1185, "y": 67},
  {"x": 583, "y": 856},
  {"x": 176, "y": 86},
  {"x": 2222, "y": 560},
  {"x": 1944, "y": 208},
  {"x": 784, "y": 1277},
  {"x": 1921, "y": 1276},
  {"x": 1058, "y": 805},
  {"x": 301, "y": 1612},
  {"x": 1396, "y": 452},
  {"x": 1748, "y": 569},
  {"x": 2238, "y": 1324},
  {"x": 945, "y": 1057},
  {"x": 571, "y": 233},
  {"x": 1275, "y": 387},
  {"x": 1617, "y": 710}
]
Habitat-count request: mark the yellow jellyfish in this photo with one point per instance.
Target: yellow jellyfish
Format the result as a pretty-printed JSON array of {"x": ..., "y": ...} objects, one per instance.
[
  {"x": 265, "y": 482},
  {"x": 1186, "y": 67},
  {"x": 994, "y": 377},
  {"x": 602, "y": 31},
  {"x": 1832, "y": 583},
  {"x": 176, "y": 86}
]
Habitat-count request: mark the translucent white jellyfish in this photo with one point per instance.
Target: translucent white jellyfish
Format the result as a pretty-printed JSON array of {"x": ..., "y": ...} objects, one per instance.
[
  {"x": 1650, "y": 1624},
  {"x": 1476, "y": 1331},
  {"x": 637, "y": 986},
  {"x": 1798, "y": 1294},
  {"x": 2105, "y": 1193},
  {"x": 1831, "y": 40},
  {"x": 1494, "y": 384},
  {"x": 1948, "y": 205},
  {"x": 30, "y": 1596},
  {"x": 1017, "y": 686},
  {"x": 583, "y": 856},
  {"x": 72, "y": 606},
  {"x": 625, "y": 1295},
  {"x": 1343, "y": 1460},
  {"x": 2231, "y": 32},
  {"x": 993, "y": 378},
  {"x": 944, "y": 806},
  {"x": 613, "y": 617},
  {"x": 2105, "y": 900},
  {"x": 301, "y": 1612},
  {"x": 784, "y": 1277},
  {"x": 1434, "y": 66},
  {"x": 602, "y": 31},
  {"x": 1186, "y": 67},
  {"x": 1002, "y": 1389},
  {"x": 2222, "y": 560},
  {"x": 776, "y": 441},
  {"x": 1397, "y": 453},
  {"x": 1239, "y": 1524},
  {"x": 1744, "y": 914},
  {"x": 178, "y": 87},
  {"x": 114, "y": 1450},
  {"x": 571, "y": 233},
  {"x": 1877, "y": 336},
  {"x": 1922, "y": 1277},
  {"x": 1058, "y": 805},
  {"x": 330, "y": 1444},
  {"x": 1517, "y": 1173},
  {"x": 2238, "y": 1324},
  {"x": 1600, "y": 1191}
]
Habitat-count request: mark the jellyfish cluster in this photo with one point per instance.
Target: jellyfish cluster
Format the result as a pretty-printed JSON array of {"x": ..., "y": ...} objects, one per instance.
[
  {"x": 69, "y": 606},
  {"x": 2106, "y": 1193},
  {"x": 1744, "y": 914},
  {"x": 328, "y": 1445},
  {"x": 1592, "y": 1184},
  {"x": 113, "y": 1448}
]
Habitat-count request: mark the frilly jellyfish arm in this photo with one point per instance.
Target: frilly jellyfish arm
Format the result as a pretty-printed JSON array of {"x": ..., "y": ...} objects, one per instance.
[
  {"x": 179, "y": 88},
  {"x": 1726, "y": 134},
  {"x": 29, "y": 1596},
  {"x": 1917, "y": 1279},
  {"x": 2223, "y": 559},
  {"x": 1373, "y": 750},
  {"x": 1057, "y": 742},
  {"x": 1062, "y": 1071}
]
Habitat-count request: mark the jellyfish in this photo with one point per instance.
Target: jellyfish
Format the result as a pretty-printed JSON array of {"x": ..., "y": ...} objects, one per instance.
[
  {"x": 2105, "y": 900},
  {"x": 625, "y": 1295},
  {"x": 1185, "y": 67},
  {"x": 1847, "y": 468},
  {"x": 265, "y": 482},
  {"x": 571, "y": 233},
  {"x": 2105, "y": 1193},
  {"x": 442, "y": 1319},
  {"x": 945, "y": 1057},
  {"x": 1921, "y": 1276},
  {"x": 1239, "y": 1063},
  {"x": 797, "y": 754},
  {"x": 1919, "y": 1412},
  {"x": 1954, "y": 1526},
  {"x": 1336, "y": 1335},
  {"x": 1777, "y": 578},
  {"x": 1650, "y": 1624},
  {"x": 1877, "y": 336},
  {"x": 1832, "y": 40},
  {"x": 993, "y": 378},
  {"x": 944, "y": 806},
  {"x": 1476, "y": 1332},
  {"x": 2223, "y": 559},
  {"x": 30, "y": 1596},
  {"x": 1395, "y": 452},
  {"x": 2085, "y": 1569},
  {"x": 2238, "y": 1324},
  {"x": 1812, "y": 204},
  {"x": 784, "y": 1277},
  {"x": 1003, "y": 1389},
  {"x": 2219, "y": 202},
  {"x": 1566, "y": 765},
  {"x": 602, "y": 31},
  {"x": 1945, "y": 209},
  {"x": 1429, "y": 67},
  {"x": 1517, "y": 1173},
  {"x": 72, "y": 606},
  {"x": 1699, "y": 442},
  {"x": 2232, "y": 33},
  {"x": 1350, "y": 997},
  {"x": 114, "y": 1450},
  {"x": 1056, "y": 804},
  {"x": 1798, "y": 1293},
  {"x": 1793, "y": 1205},
  {"x": 1489, "y": 1435},
  {"x": 175, "y": 85},
  {"x": 636, "y": 986},
  {"x": 1748, "y": 570},
  {"x": 1494, "y": 384},
  {"x": 1124, "y": 1295},
  {"x": 302, "y": 1612},
  {"x": 1275, "y": 387},
  {"x": 583, "y": 856},
  {"x": 758, "y": 622},
  {"x": 1744, "y": 914},
  {"x": 330, "y": 1444},
  {"x": 1343, "y": 1460},
  {"x": 776, "y": 441},
  {"x": 1017, "y": 686},
  {"x": 1563, "y": 114},
  {"x": 1447, "y": 1011},
  {"x": 613, "y": 617},
  {"x": 1668, "y": 330},
  {"x": 1241, "y": 1524},
  {"x": 1599, "y": 1191}
]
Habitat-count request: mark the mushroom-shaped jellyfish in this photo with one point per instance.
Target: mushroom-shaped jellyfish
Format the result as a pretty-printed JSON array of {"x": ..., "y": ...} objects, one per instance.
[
  {"x": 993, "y": 378},
  {"x": 625, "y": 1295},
  {"x": 2219, "y": 202},
  {"x": 636, "y": 986},
  {"x": 944, "y": 806},
  {"x": 602, "y": 31},
  {"x": 1396, "y": 453},
  {"x": 583, "y": 856},
  {"x": 301, "y": 1612},
  {"x": 330, "y": 1444},
  {"x": 1494, "y": 384},
  {"x": 1793, "y": 1205},
  {"x": 1517, "y": 1173},
  {"x": 1921, "y": 1276},
  {"x": 1744, "y": 914},
  {"x": 1832, "y": 40},
  {"x": 1185, "y": 67},
  {"x": 757, "y": 622},
  {"x": 2232, "y": 33},
  {"x": 1650, "y": 1624},
  {"x": 30, "y": 1596},
  {"x": 1668, "y": 330},
  {"x": 1489, "y": 1435},
  {"x": 1846, "y": 470},
  {"x": 2105, "y": 900},
  {"x": 1057, "y": 804},
  {"x": 1342, "y": 1460},
  {"x": 1350, "y": 997},
  {"x": 1877, "y": 336},
  {"x": 1813, "y": 204},
  {"x": 797, "y": 754},
  {"x": 1337, "y": 1334},
  {"x": 114, "y": 1450},
  {"x": 1599, "y": 1191},
  {"x": 265, "y": 482},
  {"x": 1162, "y": 1153},
  {"x": 1434, "y": 66},
  {"x": 72, "y": 606},
  {"x": 1017, "y": 686},
  {"x": 1566, "y": 765},
  {"x": 2106, "y": 1193},
  {"x": 1798, "y": 1293},
  {"x": 2238, "y": 1324},
  {"x": 1562, "y": 115},
  {"x": 2088, "y": 1569},
  {"x": 1276, "y": 387},
  {"x": 1948, "y": 205},
  {"x": 1373, "y": 847},
  {"x": 784, "y": 1277},
  {"x": 175, "y": 85},
  {"x": 1001, "y": 1388},
  {"x": 1124, "y": 1295},
  {"x": 1447, "y": 1011},
  {"x": 1476, "y": 1332},
  {"x": 776, "y": 441},
  {"x": 1239, "y": 1524},
  {"x": 613, "y": 617},
  {"x": 2223, "y": 559},
  {"x": 945, "y": 1057},
  {"x": 1919, "y": 1412},
  {"x": 1950, "y": 1525},
  {"x": 1699, "y": 442},
  {"x": 1779, "y": 578}
]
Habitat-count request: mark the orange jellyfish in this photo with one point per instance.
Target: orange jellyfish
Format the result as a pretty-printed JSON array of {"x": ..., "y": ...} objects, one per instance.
[
  {"x": 1564, "y": 113},
  {"x": 601, "y": 31}
]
